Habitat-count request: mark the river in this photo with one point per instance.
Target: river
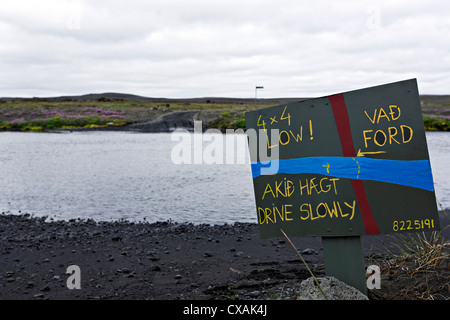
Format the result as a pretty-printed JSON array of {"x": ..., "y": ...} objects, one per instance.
[{"x": 136, "y": 176}]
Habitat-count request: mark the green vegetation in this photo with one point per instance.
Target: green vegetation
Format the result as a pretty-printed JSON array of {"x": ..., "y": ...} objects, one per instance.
[
  {"x": 60, "y": 121},
  {"x": 436, "y": 123},
  {"x": 40, "y": 115},
  {"x": 230, "y": 120},
  {"x": 37, "y": 115}
]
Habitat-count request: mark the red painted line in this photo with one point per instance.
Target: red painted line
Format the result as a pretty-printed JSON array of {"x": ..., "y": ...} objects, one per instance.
[
  {"x": 343, "y": 126},
  {"x": 369, "y": 221}
]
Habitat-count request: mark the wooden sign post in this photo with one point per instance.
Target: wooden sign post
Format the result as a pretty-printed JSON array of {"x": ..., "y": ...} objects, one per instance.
[{"x": 343, "y": 166}]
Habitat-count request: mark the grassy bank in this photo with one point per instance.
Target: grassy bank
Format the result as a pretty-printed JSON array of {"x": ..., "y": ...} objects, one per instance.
[
  {"x": 35, "y": 116},
  {"x": 436, "y": 123},
  {"x": 42, "y": 116},
  {"x": 38, "y": 115}
]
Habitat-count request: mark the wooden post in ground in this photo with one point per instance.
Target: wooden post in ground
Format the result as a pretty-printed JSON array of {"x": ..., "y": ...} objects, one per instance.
[{"x": 344, "y": 260}]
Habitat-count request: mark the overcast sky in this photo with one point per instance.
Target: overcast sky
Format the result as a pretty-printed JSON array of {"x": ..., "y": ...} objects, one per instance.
[{"x": 180, "y": 48}]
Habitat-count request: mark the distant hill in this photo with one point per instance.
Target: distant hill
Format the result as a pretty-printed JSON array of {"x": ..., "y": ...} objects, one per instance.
[
  {"x": 430, "y": 100},
  {"x": 435, "y": 99},
  {"x": 113, "y": 96}
]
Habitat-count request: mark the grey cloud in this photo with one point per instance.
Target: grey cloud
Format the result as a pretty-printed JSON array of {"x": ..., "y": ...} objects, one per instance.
[{"x": 201, "y": 48}]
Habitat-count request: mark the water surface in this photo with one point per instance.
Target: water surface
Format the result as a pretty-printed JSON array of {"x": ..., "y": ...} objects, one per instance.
[{"x": 122, "y": 175}]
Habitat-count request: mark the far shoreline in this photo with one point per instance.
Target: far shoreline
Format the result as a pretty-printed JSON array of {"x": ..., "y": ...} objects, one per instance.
[{"x": 121, "y": 112}]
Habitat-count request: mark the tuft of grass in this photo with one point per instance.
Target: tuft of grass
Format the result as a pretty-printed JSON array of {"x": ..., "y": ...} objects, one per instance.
[
  {"x": 420, "y": 252},
  {"x": 32, "y": 128},
  {"x": 429, "y": 253}
]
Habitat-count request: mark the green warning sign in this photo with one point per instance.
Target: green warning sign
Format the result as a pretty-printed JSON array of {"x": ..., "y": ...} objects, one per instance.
[{"x": 352, "y": 163}]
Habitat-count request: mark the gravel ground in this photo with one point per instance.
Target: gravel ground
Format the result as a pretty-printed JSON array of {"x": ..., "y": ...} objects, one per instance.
[{"x": 159, "y": 261}]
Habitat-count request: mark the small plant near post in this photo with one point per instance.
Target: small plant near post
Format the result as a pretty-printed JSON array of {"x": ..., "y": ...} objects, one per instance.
[{"x": 306, "y": 265}]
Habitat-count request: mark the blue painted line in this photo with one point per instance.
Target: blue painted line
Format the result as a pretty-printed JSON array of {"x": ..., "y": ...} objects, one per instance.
[{"x": 410, "y": 173}]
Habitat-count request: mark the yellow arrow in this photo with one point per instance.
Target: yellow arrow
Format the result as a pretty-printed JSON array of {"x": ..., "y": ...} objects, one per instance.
[
  {"x": 328, "y": 167},
  {"x": 362, "y": 154}
]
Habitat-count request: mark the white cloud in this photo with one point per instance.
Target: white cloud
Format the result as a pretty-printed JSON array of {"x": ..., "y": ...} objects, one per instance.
[{"x": 221, "y": 48}]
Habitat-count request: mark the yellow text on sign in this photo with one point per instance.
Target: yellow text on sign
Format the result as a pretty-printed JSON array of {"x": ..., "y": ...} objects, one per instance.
[{"x": 393, "y": 135}]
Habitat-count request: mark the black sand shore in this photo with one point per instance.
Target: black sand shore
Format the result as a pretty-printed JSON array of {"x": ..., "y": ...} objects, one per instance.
[{"x": 160, "y": 261}]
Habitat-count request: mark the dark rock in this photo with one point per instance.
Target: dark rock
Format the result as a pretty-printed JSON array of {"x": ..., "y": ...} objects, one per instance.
[
  {"x": 46, "y": 288},
  {"x": 309, "y": 251},
  {"x": 156, "y": 268},
  {"x": 254, "y": 294},
  {"x": 238, "y": 254}
]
